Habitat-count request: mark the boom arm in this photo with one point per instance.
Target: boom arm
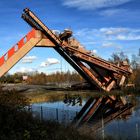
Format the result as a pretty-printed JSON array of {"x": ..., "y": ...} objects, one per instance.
[{"x": 99, "y": 72}]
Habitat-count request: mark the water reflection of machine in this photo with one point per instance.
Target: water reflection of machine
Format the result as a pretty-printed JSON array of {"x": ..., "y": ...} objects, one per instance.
[
  {"x": 99, "y": 111},
  {"x": 73, "y": 100}
]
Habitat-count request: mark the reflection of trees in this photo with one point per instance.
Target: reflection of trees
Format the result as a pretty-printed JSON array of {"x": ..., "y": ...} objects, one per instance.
[{"x": 73, "y": 100}]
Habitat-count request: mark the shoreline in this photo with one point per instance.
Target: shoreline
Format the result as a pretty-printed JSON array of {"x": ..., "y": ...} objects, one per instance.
[{"x": 45, "y": 93}]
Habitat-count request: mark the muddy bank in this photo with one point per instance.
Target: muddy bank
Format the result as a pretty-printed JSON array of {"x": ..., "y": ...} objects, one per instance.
[
  {"x": 29, "y": 88},
  {"x": 23, "y": 87}
]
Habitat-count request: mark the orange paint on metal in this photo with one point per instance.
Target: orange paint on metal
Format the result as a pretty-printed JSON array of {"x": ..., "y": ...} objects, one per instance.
[
  {"x": 31, "y": 34},
  {"x": 1, "y": 60},
  {"x": 20, "y": 43},
  {"x": 11, "y": 52}
]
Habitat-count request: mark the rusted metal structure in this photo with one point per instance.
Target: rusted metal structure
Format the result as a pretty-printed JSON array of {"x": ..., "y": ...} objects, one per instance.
[{"x": 96, "y": 71}]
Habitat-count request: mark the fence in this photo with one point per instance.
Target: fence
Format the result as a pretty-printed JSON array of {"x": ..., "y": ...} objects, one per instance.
[
  {"x": 53, "y": 114},
  {"x": 117, "y": 129}
]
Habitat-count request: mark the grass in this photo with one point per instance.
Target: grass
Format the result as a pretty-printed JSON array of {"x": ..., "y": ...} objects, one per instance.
[{"x": 51, "y": 96}]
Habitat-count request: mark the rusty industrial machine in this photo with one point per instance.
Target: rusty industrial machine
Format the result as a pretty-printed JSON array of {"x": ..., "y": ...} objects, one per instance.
[{"x": 96, "y": 71}]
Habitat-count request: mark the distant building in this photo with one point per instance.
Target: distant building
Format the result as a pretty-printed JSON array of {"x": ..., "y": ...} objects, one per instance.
[{"x": 24, "y": 78}]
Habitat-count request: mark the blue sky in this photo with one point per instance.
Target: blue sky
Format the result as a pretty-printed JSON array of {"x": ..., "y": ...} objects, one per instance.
[{"x": 104, "y": 26}]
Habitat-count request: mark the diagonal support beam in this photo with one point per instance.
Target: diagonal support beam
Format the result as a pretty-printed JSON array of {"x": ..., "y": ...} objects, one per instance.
[
  {"x": 91, "y": 75},
  {"x": 8, "y": 64}
]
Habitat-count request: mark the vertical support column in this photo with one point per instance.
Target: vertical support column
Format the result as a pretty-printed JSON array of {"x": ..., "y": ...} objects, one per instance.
[
  {"x": 57, "y": 114},
  {"x": 41, "y": 113},
  {"x": 122, "y": 81}
]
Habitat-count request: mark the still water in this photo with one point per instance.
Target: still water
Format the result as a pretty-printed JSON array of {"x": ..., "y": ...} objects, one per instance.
[
  {"x": 61, "y": 111},
  {"x": 115, "y": 116}
]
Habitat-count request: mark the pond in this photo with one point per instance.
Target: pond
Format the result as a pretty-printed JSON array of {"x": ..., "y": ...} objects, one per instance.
[
  {"x": 115, "y": 116},
  {"x": 61, "y": 111}
]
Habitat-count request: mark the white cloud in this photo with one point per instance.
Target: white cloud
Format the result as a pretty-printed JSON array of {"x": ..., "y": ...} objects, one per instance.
[
  {"x": 25, "y": 70},
  {"x": 28, "y": 59},
  {"x": 125, "y": 34},
  {"x": 108, "y": 34},
  {"x": 128, "y": 37},
  {"x": 89, "y": 43},
  {"x": 113, "y": 31},
  {"x": 113, "y": 12},
  {"x": 119, "y": 13},
  {"x": 110, "y": 44},
  {"x": 107, "y": 44},
  {"x": 94, "y": 52},
  {"x": 43, "y": 64},
  {"x": 93, "y": 4},
  {"x": 108, "y": 39},
  {"x": 49, "y": 61},
  {"x": 57, "y": 32}
]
